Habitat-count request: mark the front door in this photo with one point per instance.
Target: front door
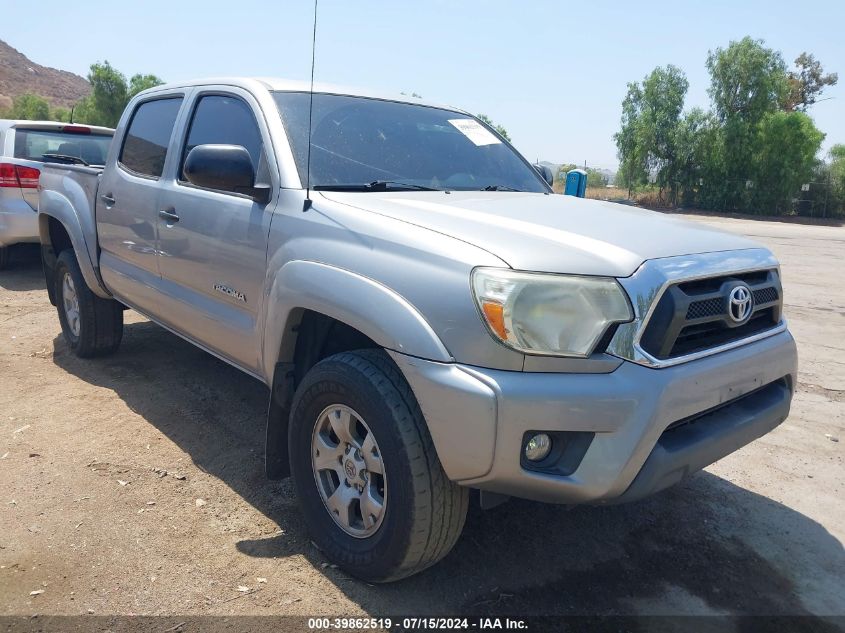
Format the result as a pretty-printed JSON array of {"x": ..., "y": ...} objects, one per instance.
[{"x": 213, "y": 244}]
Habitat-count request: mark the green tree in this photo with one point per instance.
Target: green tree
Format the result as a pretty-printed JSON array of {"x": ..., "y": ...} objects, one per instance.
[
  {"x": 752, "y": 152},
  {"x": 696, "y": 153},
  {"x": 747, "y": 82},
  {"x": 651, "y": 115},
  {"x": 787, "y": 146},
  {"x": 84, "y": 112},
  {"x": 60, "y": 114},
  {"x": 633, "y": 169},
  {"x": 138, "y": 83},
  {"x": 501, "y": 130},
  {"x": 837, "y": 164},
  {"x": 807, "y": 82},
  {"x": 835, "y": 179},
  {"x": 664, "y": 91},
  {"x": 29, "y": 107},
  {"x": 595, "y": 178},
  {"x": 109, "y": 94}
]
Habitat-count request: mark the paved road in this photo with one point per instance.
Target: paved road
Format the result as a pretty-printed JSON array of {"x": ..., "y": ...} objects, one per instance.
[{"x": 103, "y": 463}]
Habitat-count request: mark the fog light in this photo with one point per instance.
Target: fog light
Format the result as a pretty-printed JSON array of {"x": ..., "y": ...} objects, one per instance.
[{"x": 538, "y": 447}]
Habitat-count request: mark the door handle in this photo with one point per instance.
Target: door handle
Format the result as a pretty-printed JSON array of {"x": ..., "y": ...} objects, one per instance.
[
  {"x": 107, "y": 198},
  {"x": 167, "y": 214}
]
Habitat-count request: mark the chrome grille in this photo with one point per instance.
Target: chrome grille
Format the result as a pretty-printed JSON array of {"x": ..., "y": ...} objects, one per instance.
[{"x": 693, "y": 316}]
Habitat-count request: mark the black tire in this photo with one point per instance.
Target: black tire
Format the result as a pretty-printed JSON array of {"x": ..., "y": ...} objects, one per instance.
[
  {"x": 100, "y": 320},
  {"x": 424, "y": 513},
  {"x": 4, "y": 257}
]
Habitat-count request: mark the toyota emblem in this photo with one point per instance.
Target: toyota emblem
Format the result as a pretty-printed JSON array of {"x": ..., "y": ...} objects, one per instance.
[
  {"x": 350, "y": 469},
  {"x": 740, "y": 304}
]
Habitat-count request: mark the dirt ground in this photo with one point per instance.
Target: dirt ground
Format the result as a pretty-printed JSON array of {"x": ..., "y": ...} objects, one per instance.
[{"x": 134, "y": 485}]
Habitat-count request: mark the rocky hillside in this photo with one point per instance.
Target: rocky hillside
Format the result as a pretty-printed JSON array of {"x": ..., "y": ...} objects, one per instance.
[{"x": 19, "y": 75}]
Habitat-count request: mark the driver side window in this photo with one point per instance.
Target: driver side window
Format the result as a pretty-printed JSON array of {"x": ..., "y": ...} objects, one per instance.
[{"x": 226, "y": 120}]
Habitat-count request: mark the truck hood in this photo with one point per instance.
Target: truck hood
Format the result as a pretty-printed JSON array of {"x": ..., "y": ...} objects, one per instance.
[{"x": 549, "y": 233}]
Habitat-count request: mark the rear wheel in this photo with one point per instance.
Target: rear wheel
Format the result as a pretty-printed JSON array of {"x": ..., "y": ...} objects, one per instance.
[
  {"x": 92, "y": 326},
  {"x": 4, "y": 257},
  {"x": 372, "y": 490}
]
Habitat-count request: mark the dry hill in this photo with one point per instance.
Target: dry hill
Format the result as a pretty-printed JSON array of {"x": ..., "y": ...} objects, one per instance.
[{"x": 19, "y": 75}]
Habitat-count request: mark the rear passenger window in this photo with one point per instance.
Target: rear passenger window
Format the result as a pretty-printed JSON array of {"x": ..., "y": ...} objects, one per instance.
[
  {"x": 145, "y": 146},
  {"x": 227, "y": 121}
]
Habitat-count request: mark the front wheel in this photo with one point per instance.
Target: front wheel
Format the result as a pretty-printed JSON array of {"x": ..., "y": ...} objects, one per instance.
[
  {"x": 372, "y": 490},
  {"x": 4, "y": 257},
  {"x": 92, "y": 326}
]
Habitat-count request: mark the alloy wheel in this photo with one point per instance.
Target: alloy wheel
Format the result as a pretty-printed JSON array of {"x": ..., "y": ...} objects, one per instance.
[{"x": 349, "y": 471}]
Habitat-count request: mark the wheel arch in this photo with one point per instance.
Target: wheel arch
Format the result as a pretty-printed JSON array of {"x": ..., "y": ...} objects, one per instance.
[
  {"x": 60, "y": 227},
  {"x": 365, "y": 305},
  {"x": 316, "y": 310},
  {"x": 315, "y": 336}
]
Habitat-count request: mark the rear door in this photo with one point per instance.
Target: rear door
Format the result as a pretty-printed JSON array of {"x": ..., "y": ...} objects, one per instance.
[
  {"x": 214, "y": 243},
  {"x": 128, "y": 202}
]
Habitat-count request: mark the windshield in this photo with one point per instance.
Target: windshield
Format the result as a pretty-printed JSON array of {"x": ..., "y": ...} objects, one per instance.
[
  {"x": 362, "y": 144},
  {"x": 34, "y": 144}
]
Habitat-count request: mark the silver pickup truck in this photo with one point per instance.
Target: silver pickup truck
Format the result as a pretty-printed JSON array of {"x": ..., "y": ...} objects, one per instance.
[{"x": 430, "y": 318}]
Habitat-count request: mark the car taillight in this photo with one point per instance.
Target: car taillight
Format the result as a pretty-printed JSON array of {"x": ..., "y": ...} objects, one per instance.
[
  {"x": 7, "y": 175},
  {"x": 27, "y": 176},
  {"x": 18, "y": 176}
]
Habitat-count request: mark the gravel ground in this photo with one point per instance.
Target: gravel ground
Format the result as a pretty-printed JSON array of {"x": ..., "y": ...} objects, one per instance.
[{"x": 134, "y": 485}]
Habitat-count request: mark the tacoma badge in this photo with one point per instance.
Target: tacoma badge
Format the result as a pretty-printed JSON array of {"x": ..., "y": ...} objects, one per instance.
[{"x": 226, "y": 290}]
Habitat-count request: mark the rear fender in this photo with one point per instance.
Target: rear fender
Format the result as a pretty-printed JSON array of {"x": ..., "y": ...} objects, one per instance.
[{"x": 81, "y": 230}]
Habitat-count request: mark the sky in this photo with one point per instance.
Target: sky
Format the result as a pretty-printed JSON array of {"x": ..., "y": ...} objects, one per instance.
[{"x": 553, "y": 73}]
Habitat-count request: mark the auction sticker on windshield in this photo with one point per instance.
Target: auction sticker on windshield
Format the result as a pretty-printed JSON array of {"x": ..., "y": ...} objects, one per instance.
[{"x": 474, "y": 131}]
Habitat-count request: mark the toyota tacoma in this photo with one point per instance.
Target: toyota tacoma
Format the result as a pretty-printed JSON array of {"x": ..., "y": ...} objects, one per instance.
[{"x": 431, "y": 319}]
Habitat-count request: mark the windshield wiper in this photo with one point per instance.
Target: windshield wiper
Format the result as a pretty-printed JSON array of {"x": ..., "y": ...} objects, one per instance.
[
  {"x": 376, "y": 185},
  {"x": 499, "y": 188},
  {"x": 64, "y": 159}
]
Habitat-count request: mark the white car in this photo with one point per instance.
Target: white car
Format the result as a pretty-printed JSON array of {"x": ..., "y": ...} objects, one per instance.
[{"x": 24, "y": 147}]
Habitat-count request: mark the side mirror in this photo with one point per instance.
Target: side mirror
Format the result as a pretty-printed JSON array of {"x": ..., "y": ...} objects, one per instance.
[
  {"x": 225, "y": 168},
  {"x": 546, "y": 173}
]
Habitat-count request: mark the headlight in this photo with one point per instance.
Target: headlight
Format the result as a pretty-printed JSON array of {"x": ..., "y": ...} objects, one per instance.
[{"x": 539, "y": 313}]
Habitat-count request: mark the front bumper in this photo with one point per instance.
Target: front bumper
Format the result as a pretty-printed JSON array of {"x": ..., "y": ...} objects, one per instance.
[
  {"x": 18, "y": 222},
  {"x": 478, "y": 419}
]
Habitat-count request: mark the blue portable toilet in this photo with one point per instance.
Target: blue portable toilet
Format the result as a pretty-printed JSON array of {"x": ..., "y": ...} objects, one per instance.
[{"x": 576, "y": 183}]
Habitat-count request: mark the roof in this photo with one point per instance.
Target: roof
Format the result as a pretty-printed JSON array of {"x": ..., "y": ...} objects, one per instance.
[{"x": 293, "y": 85}]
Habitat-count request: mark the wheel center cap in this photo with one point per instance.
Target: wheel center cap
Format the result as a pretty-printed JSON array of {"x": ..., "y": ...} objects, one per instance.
[{"x": 350, "y": 469}]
